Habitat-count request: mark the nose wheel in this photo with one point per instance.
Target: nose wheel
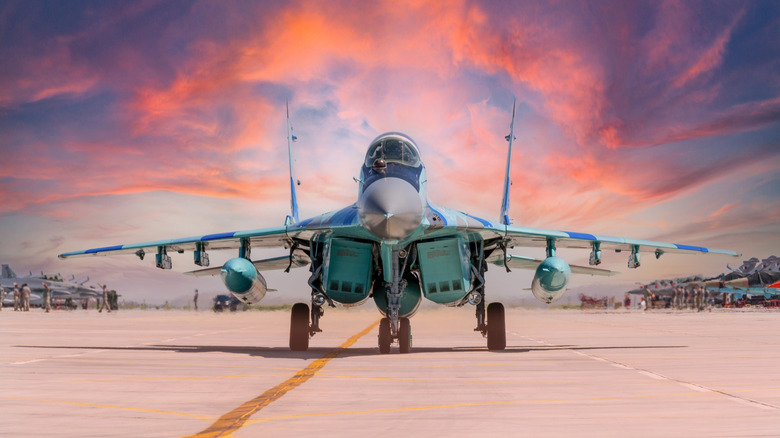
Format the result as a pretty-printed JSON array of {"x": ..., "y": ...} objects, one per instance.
[{"x": 404, "y": 336}]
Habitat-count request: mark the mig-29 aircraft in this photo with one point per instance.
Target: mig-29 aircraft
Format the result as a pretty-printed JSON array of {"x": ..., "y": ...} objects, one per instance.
[
  {"x": 61, "y": 289},
  {"x": 396, "y": 246}
]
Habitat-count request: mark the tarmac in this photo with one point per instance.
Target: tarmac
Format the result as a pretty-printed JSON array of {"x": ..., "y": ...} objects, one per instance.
[{"x": 564, "y": 373}]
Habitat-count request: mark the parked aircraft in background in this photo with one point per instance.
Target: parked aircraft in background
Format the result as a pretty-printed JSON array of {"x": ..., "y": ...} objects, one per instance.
[
  {"x": 61, "y": 289},
  {"x": 754, "y": 277},
  {"x": 396, "y": 246}
]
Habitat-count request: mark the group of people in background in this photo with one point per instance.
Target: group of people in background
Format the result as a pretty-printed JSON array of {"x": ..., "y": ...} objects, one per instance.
[
  {"x": 693, "y": 298},
  {"x": 696, "y": 297},
  {"x": 21, "y": 297}
]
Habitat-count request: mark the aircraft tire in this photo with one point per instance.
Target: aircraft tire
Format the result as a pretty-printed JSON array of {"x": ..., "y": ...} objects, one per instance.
[
  {"x": 496, "y": 327},
  {"x": 405, "y": 336},
  {"x": 299, "y": 327},
  {"x": 384, "y": 336}
]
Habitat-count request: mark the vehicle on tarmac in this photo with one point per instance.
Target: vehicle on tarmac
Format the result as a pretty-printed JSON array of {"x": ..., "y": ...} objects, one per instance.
[
  {"x": 224, "y": 302},
  {"x": 395, "y": 246}
]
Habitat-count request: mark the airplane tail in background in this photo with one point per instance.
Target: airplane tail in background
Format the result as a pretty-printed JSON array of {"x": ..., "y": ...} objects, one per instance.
[
  {"x": 7, "y": 272},
  {"x": 508, "y": 182},
  {"x": 293, "y": 218}
]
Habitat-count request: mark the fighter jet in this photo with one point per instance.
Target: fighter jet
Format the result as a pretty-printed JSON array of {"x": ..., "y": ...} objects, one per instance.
[
  {"x": 396, "y": 246},
  {"x": 754, "y": 277},
  {"x": 61, "y": 289}
]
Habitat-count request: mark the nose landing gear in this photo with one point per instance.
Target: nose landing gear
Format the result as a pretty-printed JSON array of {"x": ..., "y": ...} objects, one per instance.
[{"x": 404, "y": 336}]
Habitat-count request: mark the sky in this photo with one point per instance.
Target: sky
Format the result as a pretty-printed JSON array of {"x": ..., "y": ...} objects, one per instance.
[{"x": 124, "y": 122}]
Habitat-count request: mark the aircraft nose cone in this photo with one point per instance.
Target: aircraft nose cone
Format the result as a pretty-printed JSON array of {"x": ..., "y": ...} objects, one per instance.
[{"x": 390, "y": 209}]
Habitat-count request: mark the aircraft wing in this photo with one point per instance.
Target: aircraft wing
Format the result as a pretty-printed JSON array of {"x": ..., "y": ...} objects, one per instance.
[
  {"x": 522, "y": 262},
  {"x": 299, "y": 260},
  {"x": 533, "y": 237},
  {"x": 262, "y": 238}
]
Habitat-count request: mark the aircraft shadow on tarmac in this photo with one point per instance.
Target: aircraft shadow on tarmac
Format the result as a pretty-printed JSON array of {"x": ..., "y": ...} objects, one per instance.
[{"x": 318, "y": 352}]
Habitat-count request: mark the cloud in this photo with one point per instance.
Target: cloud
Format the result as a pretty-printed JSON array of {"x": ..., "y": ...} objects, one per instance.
[{"x": 622, "y": 107}]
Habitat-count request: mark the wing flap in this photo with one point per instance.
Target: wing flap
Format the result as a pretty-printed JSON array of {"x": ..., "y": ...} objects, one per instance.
[
  {"x": 522, "y": 262},
  {"x": 273, "y": 264},
  {"x": 532, "y": 237}
]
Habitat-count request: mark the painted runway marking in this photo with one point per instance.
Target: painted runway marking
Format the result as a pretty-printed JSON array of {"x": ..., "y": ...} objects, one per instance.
[
  {"x": 235, "y": 419},
  {"x": 152, "y": 379},
  {"x": 138, "y": 362},
  {"x": 199, "y": 417},
  {"x": 58, "y": 357},
  {"x": 28, "y": 361},
  {"x": 648, "y": 374},
  {"x": 698, "y": 388},
  {"x": 477, "y": 404},
  {"x": 744, "y": 401}
]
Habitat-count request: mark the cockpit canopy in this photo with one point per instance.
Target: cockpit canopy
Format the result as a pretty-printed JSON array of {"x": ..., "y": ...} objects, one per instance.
[{"x": 393, "y": 148}]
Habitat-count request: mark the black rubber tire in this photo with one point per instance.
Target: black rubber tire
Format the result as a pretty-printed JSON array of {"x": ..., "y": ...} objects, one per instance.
[
  {"x": 299, "y": 327},
  {"x": 384, "y": 336},
  {"x": 404, "y": 336},
  {"x": 496, "y": 327}
]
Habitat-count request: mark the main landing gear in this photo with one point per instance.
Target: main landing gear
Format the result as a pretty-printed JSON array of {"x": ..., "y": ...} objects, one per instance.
[
  {"x": 301, "y": 330},
  {"x": 299, "y": 327},
  {"x": 494, "y": 329}
]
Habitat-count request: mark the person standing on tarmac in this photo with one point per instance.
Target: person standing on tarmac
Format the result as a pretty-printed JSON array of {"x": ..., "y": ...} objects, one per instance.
[
  {"x": 26, "y": 297},
  {"x": 46, "y": 297},
  {"x": 104, "y": 302},
  {"x": 17, "y": 298},
  {"x": 195, "y": 300}
]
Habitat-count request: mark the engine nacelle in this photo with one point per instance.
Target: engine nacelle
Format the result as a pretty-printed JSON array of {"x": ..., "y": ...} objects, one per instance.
[
  {"x": 551, "y": 278},
  {"x": 243, "y": 281}
]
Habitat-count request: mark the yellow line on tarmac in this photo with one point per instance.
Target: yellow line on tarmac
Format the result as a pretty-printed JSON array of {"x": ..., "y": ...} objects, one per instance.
[
  {"x": 235, "y": 419},
  {"x": 199, "y": 417}
]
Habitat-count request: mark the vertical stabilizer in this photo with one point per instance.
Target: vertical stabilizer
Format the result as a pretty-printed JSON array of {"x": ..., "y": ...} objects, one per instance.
[
  {"x": 7, "y": 272},
  {"x": 507, "y": 182},
  {"x": 293, "y": 218}
]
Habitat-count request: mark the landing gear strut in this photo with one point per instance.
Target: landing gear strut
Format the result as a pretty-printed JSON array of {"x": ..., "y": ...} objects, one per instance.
[{"x": 393, "y": 326}]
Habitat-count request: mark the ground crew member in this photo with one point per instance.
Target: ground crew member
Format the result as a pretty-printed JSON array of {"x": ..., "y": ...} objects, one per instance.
[
  {"x": 46, "y": 297},
  {"x": 17, "y": 298},
  {"x": 2, "y": 297},
  {"x": 104, "y": 302},
  {"x": 26, "y": 297},
  {"x": 113, "y": 302},
  {"x": 195, "y": 300},
  {"x": 699, "y": 298}
]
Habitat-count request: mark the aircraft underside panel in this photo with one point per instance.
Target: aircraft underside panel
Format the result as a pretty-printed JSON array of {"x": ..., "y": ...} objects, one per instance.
[
  {"x": 410, "y": 301},
  {"x": 347, "y": 271},
  {"x": 445, "y": 270}
]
